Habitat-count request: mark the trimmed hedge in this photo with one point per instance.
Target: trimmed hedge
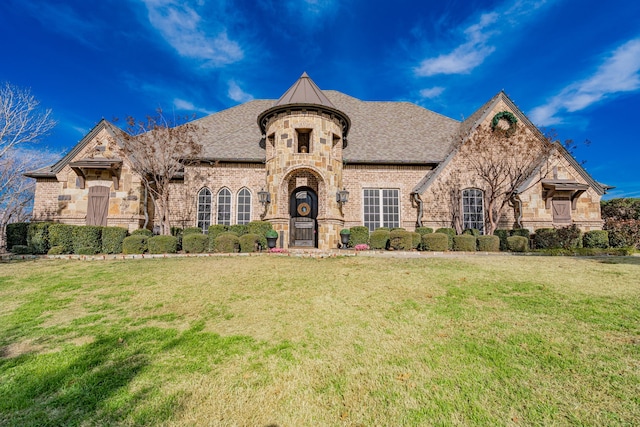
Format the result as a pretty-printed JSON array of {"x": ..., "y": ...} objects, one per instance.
[
  {"x": 502, "y": 235},
  {"x": 438, "y": 242},
  {"x": 214, "y": 231},
  {"x": 17, "y": 234},
  {"x": 416, "y": 239},
  {"x": 465, "y": 243},
  {"x": 569, "y": 237},
  {"x": 87, "y": 239},
  {"x": 424, "y": 230},
  {"x": 379, "y": 239},
  {"x": 21, "y": 250},
  {"x": 546, "y": 238},
  {"x": 142, "y": 232},
  {"x": 239, "y": 229},
  {"x": 56, "y": 250},
  {"x": 38, "y": 237},
  {"x": 472, "y": 232},
  {"x": 135, "y": 244},
  {"x": 359, "y": 236},
  {"x": 400, "y": 240},
  {"x": 488, "y": 243},
  {"x": 162, "y": 244},
  {"x": 524, "y": 232},
  {"x": 596, "y": 239},
  {"x": 227, "y": 243},
  {"x": 192, "y": 230},
  {"x": 260, "y": 228},
  {"x": 195, "y": 243},
  {"x": 249, "y": 242},
  {"x": 112, "y": 238},
  {"x": 449, "y": 232},
  {"x": 61, "y": 235},
  {"x": 517, "y": 243}
]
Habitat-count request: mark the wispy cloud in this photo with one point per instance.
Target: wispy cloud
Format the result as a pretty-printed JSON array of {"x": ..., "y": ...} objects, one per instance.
[
  {"x": 237, "y": 94},
  {"x": 478, "y": 37},
  {"x": 184, "y": 105},
  {"x": 618, "y": 73},
  {"x": 184, "y": 29},
  {"x": 431, "y": 92}
]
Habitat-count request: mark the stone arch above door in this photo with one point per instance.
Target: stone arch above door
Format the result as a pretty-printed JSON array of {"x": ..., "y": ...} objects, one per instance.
[{"x": 302, "y": 177}]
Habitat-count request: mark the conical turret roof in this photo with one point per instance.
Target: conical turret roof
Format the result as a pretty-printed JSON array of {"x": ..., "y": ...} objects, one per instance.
[{"x": 304, "y": 91}]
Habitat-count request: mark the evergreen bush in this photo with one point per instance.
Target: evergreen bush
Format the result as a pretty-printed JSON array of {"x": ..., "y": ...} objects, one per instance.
[
  {"x": 214, "y": 231},
  {"x": 359, "y": 236},
  {"x": 502, "y": 235},
  {"x": 488, "y": 243},
  {"x": 112, "y": 238},
  {"x": 424, "y": 230},
  {"x": 416, "y": 239},
  {"x": 61, "y": 235},
  {"x": 437, "y": 242},
  {"x": 465, "y": 243},
  {"x": 250, "y": 242},
  {"x": 239, "y": 229},
  {"x": 21, "y": 250},
  {"x": 195, "y": 243},
  {"x": 569, "y": 237},
  {"x": 142, "y": 232},
  {"x": 379, "y": 239},
  {"x": 450, "y": 232},
  {"x": 596, "y": 239},
  {"x": 472, "y": 232},
  {"x": 135, "y": 244},
  {"x": 17, "y": 234},
  {"x": 524, "y": 232},
  {"x": 517, "y": 243},
  {"x": 260, "y": 228},
  {"x": 227, "y": 243},
  {"x": 56, "y": 250},
  {"x": 162, "y": 244},
  {"x": 192, "y": 230},
  {"x": 546, "y": 238},
  {"x": 400, "y": 240},
  {"x": 88, "y": 238},
  {"x": 38, "y": 237}
]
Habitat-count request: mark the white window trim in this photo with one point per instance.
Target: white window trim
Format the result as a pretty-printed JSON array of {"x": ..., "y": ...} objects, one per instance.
[
  {"x": 198, "y": 207},
  {"x": 381, "y": 214},
  {"x": 250, "y": 204},
  {"x": 230, "y": 205},
  {"x": 484, "y": 214}
]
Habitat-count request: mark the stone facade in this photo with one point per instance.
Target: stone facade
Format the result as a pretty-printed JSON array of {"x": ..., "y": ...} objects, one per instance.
[{"x": 305, "y": 146}]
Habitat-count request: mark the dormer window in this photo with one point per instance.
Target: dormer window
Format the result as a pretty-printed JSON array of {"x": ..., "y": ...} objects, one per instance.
[{"x": 304, "y": 140}]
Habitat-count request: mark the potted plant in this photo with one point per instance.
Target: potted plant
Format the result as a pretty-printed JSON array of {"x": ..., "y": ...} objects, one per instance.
[
  {"x": 272, "y": 237},
  {"x": 345, "y": 234}
]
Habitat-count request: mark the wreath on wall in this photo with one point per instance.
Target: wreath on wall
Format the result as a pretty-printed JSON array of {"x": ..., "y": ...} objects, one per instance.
[{"x": 509, "y": 117}]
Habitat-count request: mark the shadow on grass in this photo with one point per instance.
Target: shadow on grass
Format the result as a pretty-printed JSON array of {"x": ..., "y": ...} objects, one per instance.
[
  {"x": 631, "y": 260},
  {"x": 85, "y": 385}
]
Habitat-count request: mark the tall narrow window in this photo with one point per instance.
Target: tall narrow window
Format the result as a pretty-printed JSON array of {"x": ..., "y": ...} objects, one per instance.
[
  {"x": 244, "y": 207},
  {"x": 204, "y": 209},
  {"x": 381, "y": 208},
  {"x": 224, "y": 207},
  {"x": 304, "y": 140},
  {"x": 473, "y": 209}
]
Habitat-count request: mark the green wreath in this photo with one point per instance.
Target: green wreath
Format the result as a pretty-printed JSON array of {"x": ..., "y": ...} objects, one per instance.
[{"x": 508, "y": 116}]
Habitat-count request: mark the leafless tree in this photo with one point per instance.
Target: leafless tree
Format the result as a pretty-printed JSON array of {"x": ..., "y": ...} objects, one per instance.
[
  {"x": 157, "y": 149},
  {"x": 504, "y": 158}
]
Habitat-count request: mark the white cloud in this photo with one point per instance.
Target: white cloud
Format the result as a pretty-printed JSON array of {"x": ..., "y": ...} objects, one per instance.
[
  {"x": 237, "y": 94},
  {"x": 431, "y": 92},
  {"x": 619, "y": 73},
  {"x": 184, "y": 105},
  {"x": 183, "y": 28}
]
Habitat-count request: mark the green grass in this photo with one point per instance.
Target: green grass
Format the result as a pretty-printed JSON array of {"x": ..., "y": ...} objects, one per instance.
[{"x": 266, "y": 340}]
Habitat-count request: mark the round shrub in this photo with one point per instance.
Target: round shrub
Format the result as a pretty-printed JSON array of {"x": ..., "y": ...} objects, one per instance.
[
  {"x": 464, "y": 243},
  {"x": 134, "y": 244},
  {"x": 569, "y": 237},
  {"x": 227, "y": 243},
  {"x": 379, "y": 239},
  {"x": 195, "y": 243},
  {"x": 249, "y": 242},
  {"x": 502, "y": 235},
  {"x": 488, "y": 243},
  {"x": 61, "y": 235},
  {"x": 87, "y": 237},
  {"x": 517, "y": 243},
  {"x": 17, "y": 234},
  {"x": 524, "y": 232},
  {"x": 596, "y": 239},
  {"x": 359, "y": 236},
  {"x": 239, "y": 229},
  {"x": 416, "y": 239},
  {"x": 192, "y": 230},
  {"x": 546, "y": 238},
  {"x": 424, "y": 230},
  {"x": 400, "y": 240},
  {"x": 450, "y": 232},
  {"x": 21, "y": 250},
  {"x": 438, "y": 242},
  {"x": 261, "y": 228},
  {"x": 142, "y": 232},
  {"x": 162, "y": 244},
  {"x": 214, "y": 231},
  {"x": 472, "y": 232},
  {"x": 112, "y": 238},
  {"x": 38, "y": 237},
  {"x": 56, "y": 250}
]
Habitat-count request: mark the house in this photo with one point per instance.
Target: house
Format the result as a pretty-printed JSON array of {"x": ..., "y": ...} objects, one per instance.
[{"x": 316, "y": 161}]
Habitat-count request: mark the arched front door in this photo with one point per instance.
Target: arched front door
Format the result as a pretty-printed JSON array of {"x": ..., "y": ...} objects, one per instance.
[{"x": 303, "y": 208}]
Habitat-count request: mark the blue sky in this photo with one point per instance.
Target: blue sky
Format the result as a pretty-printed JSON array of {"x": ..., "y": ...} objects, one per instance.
[{"x": 570, "y": 65}]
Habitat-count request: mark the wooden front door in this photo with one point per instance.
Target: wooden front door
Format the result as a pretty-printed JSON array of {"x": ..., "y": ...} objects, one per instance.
[
  {"x": 303, "y": 208},
  {"x": 98, "y": 205}
]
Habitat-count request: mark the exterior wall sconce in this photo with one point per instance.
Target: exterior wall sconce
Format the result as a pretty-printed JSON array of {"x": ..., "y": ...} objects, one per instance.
[
  {"x": 264, "y": 197},
  {"x": 342, "y": 197}
]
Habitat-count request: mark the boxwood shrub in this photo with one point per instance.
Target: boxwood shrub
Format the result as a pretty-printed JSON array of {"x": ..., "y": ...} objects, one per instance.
[
  {"x": 260, "y": 228},
  {"x": 400, "y": 240},
  {"x": 195, "y": 243},
  {"x": 472, "y": 232},
  {"x": 524, "y": 232},
  {"x": 227, "y": 243},
  {"x": 239, "y": 229},
  {"x": 359, "y": 236},
  {"x": 379, "y": 239},
  {"x": 56, "y": 250},
  {"x": 488, "y": 243},
  {"x": 424, "y": 230},
  {"x": 112, "y": 238},
  {"x": 61, "y": 235},
  {"x": 596, "y": 239},
  {"x": 162, "y": 244},
  {"x": 416, "y": 239},
  {"x": 142, "y": 232},
  {"x": 569, "y": 237},
  {"x": 464, "y": 242},
  {"x": 502, "y": 235},
  {"x": 517, "y": 243},
  {"x": 21, "y": 250},
  {"x": 192, "y": 230},
  {"x": 38, "y": 237},
  {"x": 450, "y": 232},
  {"x": 135, "y": 244},
  {"x": 249, "y": 242},
  {"x": 438, "y": 242},
  {"x": 88, "y": 238},
  {"x": 17, "y": 234},
  {"x": 546, "y": 238},
  {"x": 214, "y": 231}
]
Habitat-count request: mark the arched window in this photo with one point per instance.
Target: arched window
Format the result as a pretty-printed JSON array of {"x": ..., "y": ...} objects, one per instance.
[
  {"x": 204, "y": 209},
  {"x": 473, "y": 209},
  {"x": 224, "y": 207},
  {"x": 243, "y": 207}
]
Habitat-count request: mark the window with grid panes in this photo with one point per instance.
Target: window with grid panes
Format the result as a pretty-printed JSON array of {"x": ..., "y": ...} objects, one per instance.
[
  {"x": 243, "y": 215},
  {"x": 473, "y": 209},
  {"x": 381, "y": 208},
  {"x": 204, "y": 209},
  {"x": 224, "y": 207}
]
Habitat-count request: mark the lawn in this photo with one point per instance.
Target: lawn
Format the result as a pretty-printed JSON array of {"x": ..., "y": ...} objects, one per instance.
[{"x": 353, "y": 341}]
